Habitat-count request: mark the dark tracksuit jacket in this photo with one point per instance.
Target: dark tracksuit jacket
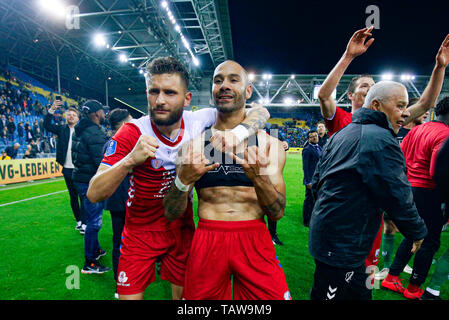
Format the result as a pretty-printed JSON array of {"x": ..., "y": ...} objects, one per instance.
[{"x": 361, "y": 172}]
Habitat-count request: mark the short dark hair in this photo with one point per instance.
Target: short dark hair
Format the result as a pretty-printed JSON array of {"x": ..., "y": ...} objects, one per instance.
[
  {"x": 442, "y": 107},
  {"x": 320, "y": 122},
  {"x": 168, "y": 65},
  {"x": 351, "y": 86},
  {"x": 311, "y": 131},
  {"x": 116, "y": 116}
]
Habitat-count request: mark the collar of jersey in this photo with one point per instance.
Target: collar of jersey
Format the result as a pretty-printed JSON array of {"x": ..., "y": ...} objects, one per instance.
[{"x": 167, "y": 141}]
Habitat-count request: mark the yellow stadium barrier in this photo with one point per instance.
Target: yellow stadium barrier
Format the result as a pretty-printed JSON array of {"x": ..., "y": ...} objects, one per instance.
[
  {"x": 294, "y": 150},
  {"x": 13, "y": 171}
]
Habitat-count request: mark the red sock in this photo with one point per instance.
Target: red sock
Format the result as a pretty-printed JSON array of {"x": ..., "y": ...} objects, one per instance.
[
  {"x": 412, "y": 287},
  {"x": 392, "y": 278}
]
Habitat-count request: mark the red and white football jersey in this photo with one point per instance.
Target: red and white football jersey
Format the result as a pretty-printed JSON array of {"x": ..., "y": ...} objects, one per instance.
[{"x": 150, "y": 181}]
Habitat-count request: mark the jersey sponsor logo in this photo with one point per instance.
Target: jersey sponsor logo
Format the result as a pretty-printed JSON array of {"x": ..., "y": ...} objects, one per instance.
[
  {"x": 122, "y": 278},
  {"x": 228, "y": 169},
  {"x": 112, "y": 146},
  {"x": 156, "y": 163}
]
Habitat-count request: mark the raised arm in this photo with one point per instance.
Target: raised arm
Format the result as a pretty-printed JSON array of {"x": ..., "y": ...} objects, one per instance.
[
  {"x": 355, "y": 47},
  {"x": 433, "y": 89},
  {"x": 54, "y": 128},
  {"x": 255, "y": 120}
]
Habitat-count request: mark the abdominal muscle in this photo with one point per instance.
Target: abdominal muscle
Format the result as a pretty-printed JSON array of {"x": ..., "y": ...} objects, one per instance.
[{"x": 229, "y": 204}]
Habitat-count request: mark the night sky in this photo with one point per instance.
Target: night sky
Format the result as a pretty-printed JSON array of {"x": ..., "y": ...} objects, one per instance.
[{"x": 309, "y": 37}]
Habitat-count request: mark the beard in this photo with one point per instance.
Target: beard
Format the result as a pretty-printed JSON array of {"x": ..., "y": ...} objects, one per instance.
[
  {"x": 173, "y": 117},
  {"x": 239, "y": 103}
]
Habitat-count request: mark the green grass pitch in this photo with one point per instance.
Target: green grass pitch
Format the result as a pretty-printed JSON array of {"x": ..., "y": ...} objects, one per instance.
[{"x": 38, "y": 244}]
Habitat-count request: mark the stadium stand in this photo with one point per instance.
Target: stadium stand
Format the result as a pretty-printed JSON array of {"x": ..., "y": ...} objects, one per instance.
[
  {"x": 294, "y": 124},
  {"x": 24, "y": 102}
]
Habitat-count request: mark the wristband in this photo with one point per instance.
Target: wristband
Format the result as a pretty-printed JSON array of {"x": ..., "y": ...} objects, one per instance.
[
  {"x": 181, "y": 186},
  {"x": 241, "y": 132}
]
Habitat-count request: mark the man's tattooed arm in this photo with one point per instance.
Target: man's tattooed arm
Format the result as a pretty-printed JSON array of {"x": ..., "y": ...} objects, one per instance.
[
  {"x": 256, "y": 118},
  {"x": 175, "y": 202}
]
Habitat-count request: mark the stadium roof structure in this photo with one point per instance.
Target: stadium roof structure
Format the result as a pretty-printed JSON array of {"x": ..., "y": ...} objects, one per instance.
[
  {"x": 197, "y": 32},
  {"x": 284, "y": 90}
]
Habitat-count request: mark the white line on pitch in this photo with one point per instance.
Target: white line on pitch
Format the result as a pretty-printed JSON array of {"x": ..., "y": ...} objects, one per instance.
[
  {"x": 28, "y": 199},
  {"x": 29, "y": 184}
]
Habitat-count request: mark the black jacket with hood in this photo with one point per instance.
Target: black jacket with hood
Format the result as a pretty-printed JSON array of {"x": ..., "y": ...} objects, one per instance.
[
  {"x": 87, "y": 149},
  {"x": 361, "y": 172}
]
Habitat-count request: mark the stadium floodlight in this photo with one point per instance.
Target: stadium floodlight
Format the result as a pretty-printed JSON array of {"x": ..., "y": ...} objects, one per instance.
[
  {"x": 407, "y": 77},
  {"x": 109, "y": 78},
  {"x": 265, "y": 76},
  {"x": 54, "y": 7},
  {"x": 387, "y": 76},
  {"x": 266, "y": 101},
  {"x": 164, "y": 4},
  {"x": 123, "y": 58},
  {"x": 140, "y": 71},
  {"x": 288, "y": 100},
  {"x": 292, "y": 76},
  {"x": 178, "y": 28},
  {"x": 251, "y": 77},
  {"x": 99, "y": 40},
  {"x": 133, "y": 64},
  {"x": 145, "y": 74},
  {"x": 196, "y": 61},
  {"x": 186, "y": 43}
]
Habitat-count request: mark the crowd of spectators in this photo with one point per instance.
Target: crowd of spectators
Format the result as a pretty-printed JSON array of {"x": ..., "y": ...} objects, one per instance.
[{"x": 21, "y": 119}]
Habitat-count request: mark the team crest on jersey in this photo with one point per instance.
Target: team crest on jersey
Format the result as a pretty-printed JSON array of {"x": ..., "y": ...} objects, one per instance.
[
  {"x": 111, "y": 148},
  {"x": 156, "y": 163}
]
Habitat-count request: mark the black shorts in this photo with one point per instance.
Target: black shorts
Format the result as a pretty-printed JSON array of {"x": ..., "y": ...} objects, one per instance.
[{"x": 331, "y": 283}]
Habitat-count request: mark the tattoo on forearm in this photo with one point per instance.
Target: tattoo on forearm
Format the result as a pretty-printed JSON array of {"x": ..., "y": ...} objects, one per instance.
[
  {"x": 257, "y": 123},
  {"x": 275, "y": 208},
  {"x": 175, "y": 203}
]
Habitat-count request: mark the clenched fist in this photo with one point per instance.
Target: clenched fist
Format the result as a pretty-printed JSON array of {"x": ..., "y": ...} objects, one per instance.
[{"x": 145, "y": 148}]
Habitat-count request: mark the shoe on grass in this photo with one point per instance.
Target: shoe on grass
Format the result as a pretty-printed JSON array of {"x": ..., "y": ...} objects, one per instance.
[
  {"x": 414, "y": 295},
  {"x": 429, "y": 296},
  {"x": 395, "y": 286},
  {"x": 94, "y": 267}
]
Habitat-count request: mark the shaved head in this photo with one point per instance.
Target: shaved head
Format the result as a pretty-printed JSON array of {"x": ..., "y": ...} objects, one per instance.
[
  {"x": 236, "y": 65},
  {"x": 230, "y": 87}
]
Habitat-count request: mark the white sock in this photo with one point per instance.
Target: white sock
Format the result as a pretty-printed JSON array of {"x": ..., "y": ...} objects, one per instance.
[{"x": 434, "y": 292}]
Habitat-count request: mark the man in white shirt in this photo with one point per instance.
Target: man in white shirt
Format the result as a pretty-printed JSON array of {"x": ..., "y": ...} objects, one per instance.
[{"x": 64, "y": 156}]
